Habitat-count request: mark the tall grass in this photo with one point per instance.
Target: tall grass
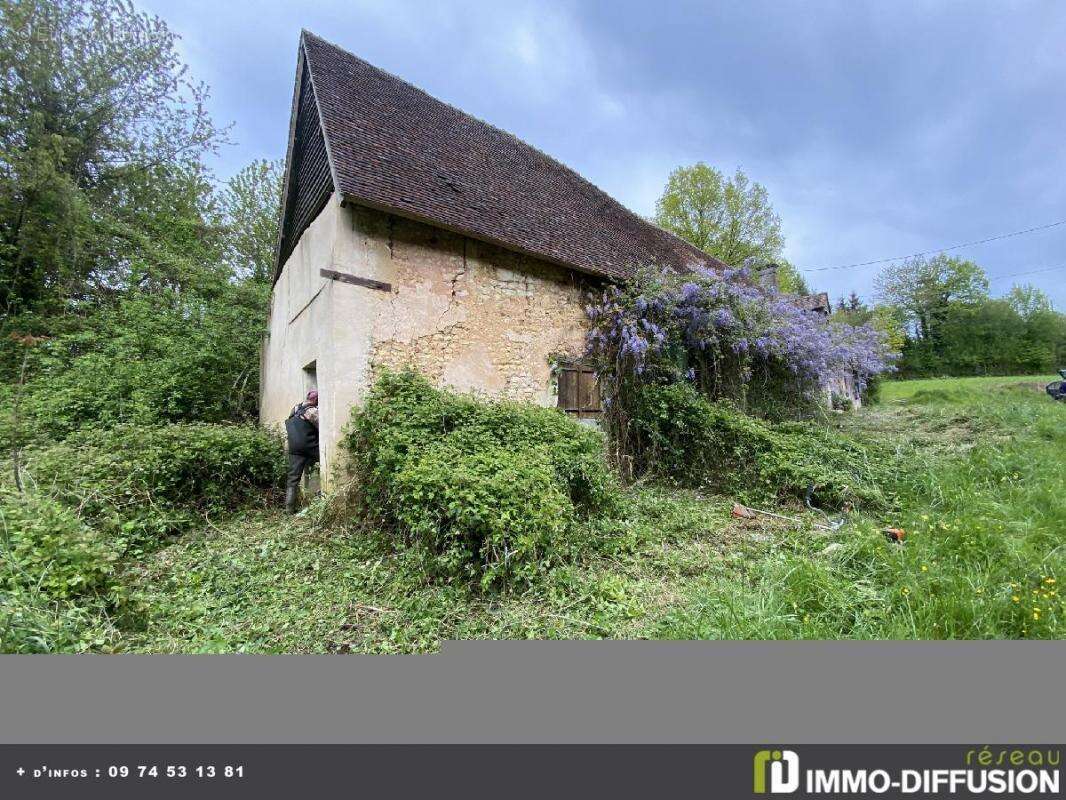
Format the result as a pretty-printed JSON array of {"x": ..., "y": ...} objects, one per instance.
[{"x": 985, "y": 514}]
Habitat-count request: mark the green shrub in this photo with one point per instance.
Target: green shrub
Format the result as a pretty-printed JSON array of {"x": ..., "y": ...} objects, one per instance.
[
  {"x": 871, "y": 394},
  {"x": 139, "y": 484},
  {"x": 702, "y": 444},
  {"x": 492, "y": 512},
  {"x": 45, "y": 546},
  {"x": 150, "y": 359},
  {"x": 491, "y": 489},
  {"x": 33, "y": 623}
]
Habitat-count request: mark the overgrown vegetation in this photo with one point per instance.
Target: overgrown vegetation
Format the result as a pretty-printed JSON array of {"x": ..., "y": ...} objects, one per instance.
[
  {"x": 98, "y": 499},
  {"x": 132, "y": 300},
  {"x": 32, "y": 622},
  {"x": 148, "y": 359},
  {"x": 681, "y": 435},
  {"x": 728, "y": 340},
  {"x": 980, "y": 487},
  {"x": 494, "y": 491},
  {"x": 133, "y": 497},
  {"x": 132, "y": 288},
  {"x": 142, "y": 484},
  {"x": 56, "y": 576},
  {"x": 981, "y": 498},
  {"x": 50, "y": 549}
]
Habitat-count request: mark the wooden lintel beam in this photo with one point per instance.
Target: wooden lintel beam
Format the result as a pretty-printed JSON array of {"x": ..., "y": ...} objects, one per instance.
[{"x": 355, "y": 280}]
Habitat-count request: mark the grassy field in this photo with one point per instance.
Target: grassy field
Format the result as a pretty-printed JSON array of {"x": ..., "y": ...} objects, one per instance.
[
  {"x": 981, "y": 493},
  {"x": 968, "y": 389}
]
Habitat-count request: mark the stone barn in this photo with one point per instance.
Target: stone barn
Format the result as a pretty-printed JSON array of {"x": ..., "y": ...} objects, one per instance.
[{"x": 413, "y": 234}]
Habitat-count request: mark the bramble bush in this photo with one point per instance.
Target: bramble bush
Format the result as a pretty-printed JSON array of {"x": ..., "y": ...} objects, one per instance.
[
  {"x": 494, "y": 491},
  {"x": 141, "y": 484},
  {"x": 688, "y": 439},
  {"x": 491, "y": 510}
]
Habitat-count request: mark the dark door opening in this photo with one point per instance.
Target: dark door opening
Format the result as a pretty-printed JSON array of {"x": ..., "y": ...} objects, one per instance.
[{"x": 310, "y": 377}]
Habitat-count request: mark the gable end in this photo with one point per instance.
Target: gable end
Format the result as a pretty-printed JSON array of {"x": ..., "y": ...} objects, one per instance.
[{"x": 308, "y": 181}]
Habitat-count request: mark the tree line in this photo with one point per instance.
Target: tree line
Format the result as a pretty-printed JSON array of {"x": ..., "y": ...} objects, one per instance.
[{"x": 953, "y": 326}]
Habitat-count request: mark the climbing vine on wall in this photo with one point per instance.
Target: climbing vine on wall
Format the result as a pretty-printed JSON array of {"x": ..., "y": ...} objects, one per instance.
[{"x": 728, "y": 337}]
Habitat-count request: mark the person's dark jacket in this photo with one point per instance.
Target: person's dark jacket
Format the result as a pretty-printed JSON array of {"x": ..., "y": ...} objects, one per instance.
[{"x": 302, "y": 435}]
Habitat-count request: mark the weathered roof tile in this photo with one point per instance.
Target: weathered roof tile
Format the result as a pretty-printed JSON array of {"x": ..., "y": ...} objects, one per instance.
[{"x": 395, "y": 148}]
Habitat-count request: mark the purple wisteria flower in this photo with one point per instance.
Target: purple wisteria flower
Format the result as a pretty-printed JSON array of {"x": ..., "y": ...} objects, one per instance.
[{"x": 663, "y": 321}]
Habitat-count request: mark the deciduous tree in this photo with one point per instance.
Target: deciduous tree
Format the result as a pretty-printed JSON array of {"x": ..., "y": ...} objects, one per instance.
[
  {"x": 101, "y": 136},
  {"x": 730, "y": 218},
  {"x": 249, "y": 209},
  {"x": 924, "y": 288},
  {"x": 1027, "y": 300}
]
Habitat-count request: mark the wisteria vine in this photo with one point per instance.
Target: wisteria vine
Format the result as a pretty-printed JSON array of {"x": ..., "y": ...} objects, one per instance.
[{"x": 719, "y": 331}]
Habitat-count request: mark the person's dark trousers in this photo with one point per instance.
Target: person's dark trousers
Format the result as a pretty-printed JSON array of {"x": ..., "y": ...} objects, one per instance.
[{"x": 298, "y": 465}]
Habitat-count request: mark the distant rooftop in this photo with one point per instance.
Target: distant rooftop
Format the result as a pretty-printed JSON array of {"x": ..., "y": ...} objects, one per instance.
[{"x": 814, "y": 302}]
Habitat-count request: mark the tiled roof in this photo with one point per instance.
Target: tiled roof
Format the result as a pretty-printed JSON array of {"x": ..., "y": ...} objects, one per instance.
[{"x": 394, "y": 148}]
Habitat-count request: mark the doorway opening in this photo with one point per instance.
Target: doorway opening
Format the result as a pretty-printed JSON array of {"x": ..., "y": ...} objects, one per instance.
[
  {"x": 310, "y": 377},
  {"x": 313, "y": 477}
]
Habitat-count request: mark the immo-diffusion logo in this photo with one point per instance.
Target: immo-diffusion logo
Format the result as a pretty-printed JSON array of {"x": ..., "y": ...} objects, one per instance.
[
  {"x": 784, "y": 771},
  {"x": 1019, "y": 770}
]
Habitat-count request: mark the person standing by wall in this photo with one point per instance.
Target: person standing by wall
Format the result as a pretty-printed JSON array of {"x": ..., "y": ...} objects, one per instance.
[{"x": 301, "y": 430}]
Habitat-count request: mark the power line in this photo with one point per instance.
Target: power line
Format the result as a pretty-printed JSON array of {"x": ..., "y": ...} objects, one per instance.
[
  {"x": 1027, "y": 272},
  {"x": 937, "y": 250}
]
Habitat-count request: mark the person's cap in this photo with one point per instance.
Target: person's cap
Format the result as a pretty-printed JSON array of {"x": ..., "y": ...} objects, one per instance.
[{"x": 313, "y": 394}]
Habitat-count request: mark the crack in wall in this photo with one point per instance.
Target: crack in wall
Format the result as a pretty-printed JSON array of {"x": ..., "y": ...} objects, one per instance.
[
  {"x": 461, "y": 272},
  {"x": 453, "y": 296}
]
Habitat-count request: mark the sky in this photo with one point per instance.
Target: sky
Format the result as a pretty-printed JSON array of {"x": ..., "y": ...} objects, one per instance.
[{"x": 879, "y": 129}]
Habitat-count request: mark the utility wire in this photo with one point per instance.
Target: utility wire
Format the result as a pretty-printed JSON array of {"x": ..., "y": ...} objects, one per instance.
[
  {"x": 1027, "y": 272},
  {"x": 937, "y": 250}
]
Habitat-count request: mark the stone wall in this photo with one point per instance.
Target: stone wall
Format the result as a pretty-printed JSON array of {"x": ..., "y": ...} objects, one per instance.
[
  {"x": 469, "y": 315},
  {"x": 474, "y": 317}
]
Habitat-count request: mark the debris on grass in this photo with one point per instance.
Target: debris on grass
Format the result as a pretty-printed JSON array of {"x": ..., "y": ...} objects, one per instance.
[
  {"x": 895, "y": 534},
  {"x": 745, "y": 512},
  {"x": 742, "y": 512}
]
